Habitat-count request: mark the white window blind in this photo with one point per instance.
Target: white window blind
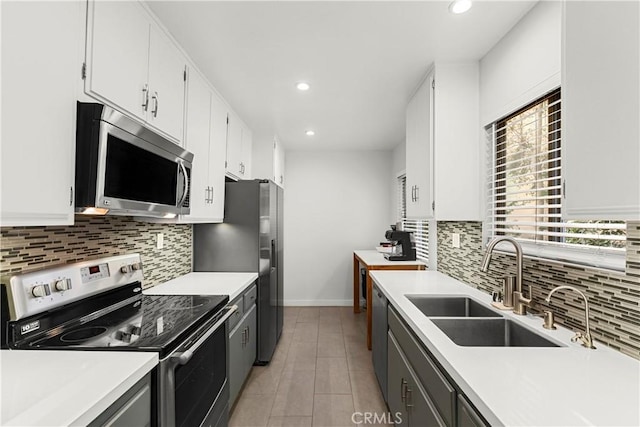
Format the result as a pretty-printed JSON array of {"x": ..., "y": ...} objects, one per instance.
[
  {"x": 420, "y": 229},
  {"x": 525, "y": 190}
]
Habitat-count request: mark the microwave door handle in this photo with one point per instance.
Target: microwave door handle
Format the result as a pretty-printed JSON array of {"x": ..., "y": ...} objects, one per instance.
[
  {"x": 186, "y": 184},
  {"x": 182, "y": 358}
]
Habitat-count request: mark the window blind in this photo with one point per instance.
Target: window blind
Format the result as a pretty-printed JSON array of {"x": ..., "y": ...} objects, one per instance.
[
  {"x": 420, "y": 229},
  {"x": 524, "y": 188}
]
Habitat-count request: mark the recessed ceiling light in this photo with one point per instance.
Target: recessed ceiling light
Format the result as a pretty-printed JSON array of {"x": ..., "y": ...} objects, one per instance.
[
  {"x": 309, "y": 133},
  {"x": 459, "y": 6},
  {"x": 303, "y": 86}
]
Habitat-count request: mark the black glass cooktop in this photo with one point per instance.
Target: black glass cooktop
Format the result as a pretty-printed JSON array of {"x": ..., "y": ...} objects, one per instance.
[{"x": 122, "y": 320}]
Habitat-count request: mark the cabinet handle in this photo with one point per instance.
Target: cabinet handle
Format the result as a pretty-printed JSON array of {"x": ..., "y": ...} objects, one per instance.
[
  {"x": 156, "y": 105},
  {"x": 145, "y": 97},
  {"x": 403, "y": 390},
  {"x": 408, "y": 397},
  {"x": 211, "y": 197},
  {"x": 244, "y": 336},
  {"x": 417, "y": 193},
  {"x": 248, "y": 334},
  {"x": 281, "y": 179},
  {"x": 206, "y": 195}
]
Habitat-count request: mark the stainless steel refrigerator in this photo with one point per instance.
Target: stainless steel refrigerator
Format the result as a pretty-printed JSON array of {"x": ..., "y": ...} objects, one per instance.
[{"x": 250, "y": 239}]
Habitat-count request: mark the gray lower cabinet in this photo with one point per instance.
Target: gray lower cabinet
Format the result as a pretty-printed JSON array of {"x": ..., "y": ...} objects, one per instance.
[
  {"x": 379, "y": 338},
  {"x": 133, "y": 408},
  {"x": 417, "y": 387},
  {"x": 467, "y": 416},
  {"x": 242, "y": 343},
  {"x": 407, "y": 399}
]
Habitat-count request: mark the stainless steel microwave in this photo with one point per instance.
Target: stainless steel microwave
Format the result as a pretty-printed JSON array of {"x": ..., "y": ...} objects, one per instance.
[{"x": 123, "y": 168}]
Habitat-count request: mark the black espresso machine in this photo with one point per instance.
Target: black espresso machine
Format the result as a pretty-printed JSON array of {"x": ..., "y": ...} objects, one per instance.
[{"x": 403, "y": 248}]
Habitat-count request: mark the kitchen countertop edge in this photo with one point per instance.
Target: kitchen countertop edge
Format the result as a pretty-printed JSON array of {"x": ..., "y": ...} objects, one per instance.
[
  {"x": 106, "y": 377},
  {"x": 471, "y": 367}
]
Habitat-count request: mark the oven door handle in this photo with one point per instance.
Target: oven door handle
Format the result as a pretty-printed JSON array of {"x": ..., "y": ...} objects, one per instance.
[{"x": 182, "y": 358}]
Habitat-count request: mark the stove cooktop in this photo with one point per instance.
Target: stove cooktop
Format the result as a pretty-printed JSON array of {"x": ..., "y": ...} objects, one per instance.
[{"x": 140, "y": 322}]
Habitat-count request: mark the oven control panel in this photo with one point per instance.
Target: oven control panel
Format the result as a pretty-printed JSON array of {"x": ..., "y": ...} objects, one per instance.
[{"x": 38, "y": 291}]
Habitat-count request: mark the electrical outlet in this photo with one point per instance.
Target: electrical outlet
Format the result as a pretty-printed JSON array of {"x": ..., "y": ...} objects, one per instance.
[
  {"x": 159, "y": 241},
  {"x": 455, "y": 240}
]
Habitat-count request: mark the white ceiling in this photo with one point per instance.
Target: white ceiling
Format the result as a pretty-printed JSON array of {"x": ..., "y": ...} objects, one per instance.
[{"x": 363, "y": 60}]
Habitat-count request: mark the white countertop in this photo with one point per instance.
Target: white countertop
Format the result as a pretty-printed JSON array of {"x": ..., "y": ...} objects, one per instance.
[
  {"x": 214, "y": 283},
  {"x": 544, "y": 386},
  {"x": 60, "y": 388},
  {"x": 375, "y": 258}
]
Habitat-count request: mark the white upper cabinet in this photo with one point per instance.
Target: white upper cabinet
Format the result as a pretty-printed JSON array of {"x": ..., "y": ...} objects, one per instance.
[
  {"x": 419, "y": 143},
  {"x": 443, "y": 145},
  {"x": 278, "y": 162},
  {"x": 134, "y": 66},
  {"x": 167, "y": 77},
  {"x": 239, "y": 148},
  {"x": 601, "y": 110},
  {"x": 268, "y": 160},
  {"x": 205, "y": 137},
  {"x": 217, "y": 155},
  {"x": 457, "y": 142},
  {"x": 197, "y": 140},
  {"x": 41, "y": 70}
]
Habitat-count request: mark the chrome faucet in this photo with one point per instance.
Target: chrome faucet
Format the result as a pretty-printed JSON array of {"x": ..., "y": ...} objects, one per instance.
[
  {"x": 520, "y": 303},
  {"x": 586, "y": 339}
]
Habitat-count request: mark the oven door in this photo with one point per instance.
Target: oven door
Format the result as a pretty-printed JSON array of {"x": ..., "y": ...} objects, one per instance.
[{"x": 192, "y": 380}]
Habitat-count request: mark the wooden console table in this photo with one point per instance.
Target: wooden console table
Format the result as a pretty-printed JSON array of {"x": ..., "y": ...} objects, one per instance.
[{"x": 374, "y": 260}]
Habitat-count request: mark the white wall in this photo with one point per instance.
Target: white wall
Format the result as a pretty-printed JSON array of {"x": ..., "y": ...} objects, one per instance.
[
  {"x": 524, "y": 64},
  {"x": 398, "y": 165},
  {"x": 335, "y": 202}
]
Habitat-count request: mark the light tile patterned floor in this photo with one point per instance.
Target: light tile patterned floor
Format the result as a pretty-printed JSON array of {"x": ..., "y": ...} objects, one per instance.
[{"x": 321, "y": 373}]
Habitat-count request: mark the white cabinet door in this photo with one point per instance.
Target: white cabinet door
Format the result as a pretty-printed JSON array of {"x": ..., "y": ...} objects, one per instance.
[
  {"x": 41, "y": 62},
  {"x": 118, "y": 55},
  {"x": 457, "y": 144},
  {"x": 247, "y": 148},
  {"x": 278, "y": 162},
  {"x": 197, "y": 141},
  {"x": 419, "y": 164},
  {"x": 234, "y": 146},
  {"x": 217, "y": 156},
  {"x": 134, "y": 66},
  {"x": 600, "y": 111},
  {"x": 167, "y": 85}
]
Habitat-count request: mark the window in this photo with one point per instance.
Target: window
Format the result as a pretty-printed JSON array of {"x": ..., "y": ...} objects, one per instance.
[
  {"x": 525, "y": 191},
  {"x": 419, "y": 228}
]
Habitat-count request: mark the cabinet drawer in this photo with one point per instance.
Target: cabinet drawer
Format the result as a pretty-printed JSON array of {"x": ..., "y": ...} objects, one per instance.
[
  {"x": 237, "y": 315},
  {"x": 250, "y": 298},
  {"x": 437, "y": 386}
]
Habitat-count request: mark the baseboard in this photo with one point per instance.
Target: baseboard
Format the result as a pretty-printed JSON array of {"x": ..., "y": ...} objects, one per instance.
[{"x": 319, "y": 303}]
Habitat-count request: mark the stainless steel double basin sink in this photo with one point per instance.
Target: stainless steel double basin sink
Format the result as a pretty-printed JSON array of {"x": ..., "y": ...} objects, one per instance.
[{"x": 470, "y": 323}]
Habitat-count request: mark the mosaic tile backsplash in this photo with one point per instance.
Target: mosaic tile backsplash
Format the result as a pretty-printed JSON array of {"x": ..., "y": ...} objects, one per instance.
[
  {"x": 614, "y": 297},
  {"x": 24, "y": 249}
]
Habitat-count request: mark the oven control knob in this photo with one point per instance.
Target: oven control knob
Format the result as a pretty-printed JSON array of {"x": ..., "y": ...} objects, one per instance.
[
  {"x": 136, "y": 266},
  {"x": 40, "y": 291},
  {"x": 124, "y": 269},
  {"x": 62, "y": 285}
]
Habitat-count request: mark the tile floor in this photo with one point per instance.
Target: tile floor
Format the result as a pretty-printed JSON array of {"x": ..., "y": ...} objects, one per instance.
[{"x": 321, "y": 373}]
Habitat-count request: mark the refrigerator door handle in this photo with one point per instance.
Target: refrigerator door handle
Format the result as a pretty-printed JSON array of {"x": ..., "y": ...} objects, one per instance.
[{"x": 274, "y": 256}]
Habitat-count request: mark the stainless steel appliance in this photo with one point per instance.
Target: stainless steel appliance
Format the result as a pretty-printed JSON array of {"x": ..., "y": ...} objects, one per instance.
[
  {"x": 122, "y": 168},
  {"x": 249, "y": 240},
  {"x": 99, "y": 305}
]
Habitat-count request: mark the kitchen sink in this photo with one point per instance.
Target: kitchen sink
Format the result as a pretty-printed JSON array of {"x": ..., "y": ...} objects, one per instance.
[
  {"x": 451, "y": 307},
  {"x": 490, "y": 333}
]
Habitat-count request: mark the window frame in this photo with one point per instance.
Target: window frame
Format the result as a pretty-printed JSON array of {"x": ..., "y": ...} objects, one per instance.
[{"x": 555, "y": 250}]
